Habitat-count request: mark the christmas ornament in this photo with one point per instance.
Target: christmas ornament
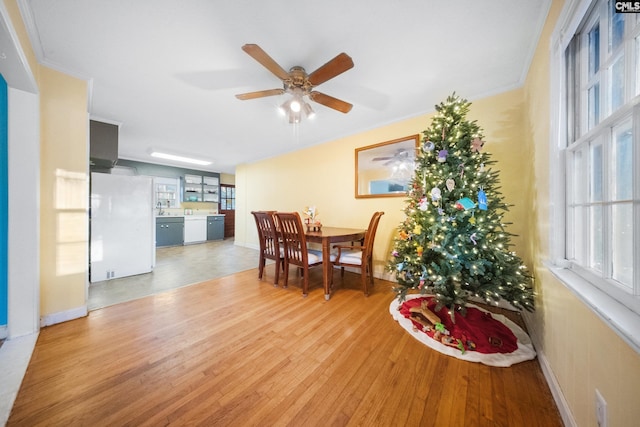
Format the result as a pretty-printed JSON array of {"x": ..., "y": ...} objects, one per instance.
[
  {"x": 419, "y": 250},
  {"x": 424, "y": 204},
  {"x": 481, "y": 167},
  {"x": 465, "y": 203},
  {"x": 472, "y": 220},
  {"x": 440, "y": 211},
  {"x": 473, "y": 238},
  {"x": 417, "y": 229},
  {"x": 476, "y": 145},
  {"x": 482, "y": 200},
  {"x": 451, "y": 184},
  {"x": 436, "y": 194},
  {"x": 461, "y": 169},
  {"x": 442, "y": 156},
  {"x": 429, "y": 146}
]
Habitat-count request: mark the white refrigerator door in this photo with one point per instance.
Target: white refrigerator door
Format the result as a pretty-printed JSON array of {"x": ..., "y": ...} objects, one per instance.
[{"x": 122, "y": 226}]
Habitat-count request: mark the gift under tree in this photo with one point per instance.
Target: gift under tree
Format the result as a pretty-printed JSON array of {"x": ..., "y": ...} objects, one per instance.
[{"x": 453, "y": 243}]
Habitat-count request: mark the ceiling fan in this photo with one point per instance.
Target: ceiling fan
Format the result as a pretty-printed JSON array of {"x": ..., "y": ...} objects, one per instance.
[
  {"x": 300, "y": 84},
  {"x": 400, "y": 155}
]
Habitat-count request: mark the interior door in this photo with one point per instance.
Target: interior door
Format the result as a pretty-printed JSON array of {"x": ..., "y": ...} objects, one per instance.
[{"x": 228, "y": 208}]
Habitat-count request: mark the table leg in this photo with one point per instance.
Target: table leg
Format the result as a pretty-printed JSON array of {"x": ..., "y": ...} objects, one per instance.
[{"x": 326, "y": 268}]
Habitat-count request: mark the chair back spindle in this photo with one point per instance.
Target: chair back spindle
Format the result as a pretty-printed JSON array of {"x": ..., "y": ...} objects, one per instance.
[
  {"x": 360, "y": 256},
  {"x": 295, "y": 247},
  {"x": 270, "y": 247}
]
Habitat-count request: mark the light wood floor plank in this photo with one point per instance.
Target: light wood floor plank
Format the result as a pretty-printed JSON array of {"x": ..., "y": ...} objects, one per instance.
[{"x": 237, "y": 351}]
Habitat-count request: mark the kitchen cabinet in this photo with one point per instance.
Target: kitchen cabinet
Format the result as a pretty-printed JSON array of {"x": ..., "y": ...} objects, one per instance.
[
  {"x": 195, "y": 229},
  {"x": 211, "y": 189},
  {"x": 199, "y": 188},
  {"x": 192, "y": 188},
  {"x": 169, "y": 231},
  {"x": 215, "y": 227}
]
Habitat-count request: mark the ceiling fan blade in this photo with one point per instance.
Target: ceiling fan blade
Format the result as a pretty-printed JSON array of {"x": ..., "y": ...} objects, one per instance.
[
  {"x": 336, "y": 66},
  {"x": 263, "y": 58},
  {"x": 259, "y": 94},
  {"x": 330, "y": 101}
]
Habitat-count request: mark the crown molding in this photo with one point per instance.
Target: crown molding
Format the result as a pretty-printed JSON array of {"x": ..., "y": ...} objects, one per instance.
[
  {"x": 21, "y": 75},
  {"x": 36, "y": 43}
]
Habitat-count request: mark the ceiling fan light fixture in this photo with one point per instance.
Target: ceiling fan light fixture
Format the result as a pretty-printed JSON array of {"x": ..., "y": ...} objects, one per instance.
[
  {"x": 285, "y": 107},
  {"x": 294, "y": 116},
  {"x": 295, "y": 105},
  {"x": 308, "y": 111}
]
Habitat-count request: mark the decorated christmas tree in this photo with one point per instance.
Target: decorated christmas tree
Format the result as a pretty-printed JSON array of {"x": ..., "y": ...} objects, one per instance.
[{"x": 453, "y": 243}]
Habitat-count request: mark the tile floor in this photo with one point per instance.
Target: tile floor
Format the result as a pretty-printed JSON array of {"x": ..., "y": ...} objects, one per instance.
[{"x": 176, "y": 266}]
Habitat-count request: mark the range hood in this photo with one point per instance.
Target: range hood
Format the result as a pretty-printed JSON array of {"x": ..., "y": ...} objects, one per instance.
[{"x": 103, "y": 144}]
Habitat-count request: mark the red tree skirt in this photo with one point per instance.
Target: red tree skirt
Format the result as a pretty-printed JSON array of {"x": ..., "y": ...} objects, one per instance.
[{"x": 480, "y": 336}]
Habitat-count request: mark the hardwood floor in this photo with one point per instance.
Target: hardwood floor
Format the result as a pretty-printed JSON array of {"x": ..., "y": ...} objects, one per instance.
[{"x": 236, "y": 351}]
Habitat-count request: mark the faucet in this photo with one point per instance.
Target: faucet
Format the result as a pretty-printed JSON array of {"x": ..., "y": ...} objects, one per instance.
[{"x": 159, "y": 206}]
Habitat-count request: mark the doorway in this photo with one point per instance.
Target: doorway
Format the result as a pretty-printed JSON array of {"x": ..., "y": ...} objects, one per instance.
[{"x": 228, "y": 208}]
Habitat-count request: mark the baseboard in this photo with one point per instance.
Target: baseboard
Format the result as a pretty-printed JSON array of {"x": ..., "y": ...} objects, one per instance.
[
  {"x": 547, "y": 371},
  {"x": 4, "y": 332},
  {"x": 63, "y": 316}
]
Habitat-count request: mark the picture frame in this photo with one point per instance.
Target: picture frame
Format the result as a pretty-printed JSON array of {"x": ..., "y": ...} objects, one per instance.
[{"x": 385, "y": 169}]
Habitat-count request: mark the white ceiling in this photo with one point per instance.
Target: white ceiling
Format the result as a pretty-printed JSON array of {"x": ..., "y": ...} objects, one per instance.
[{"x": 167, "y": 70}]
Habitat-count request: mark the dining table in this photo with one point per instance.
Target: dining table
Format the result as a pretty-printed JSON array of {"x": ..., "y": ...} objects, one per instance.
[{"x": 326, "y": 236}]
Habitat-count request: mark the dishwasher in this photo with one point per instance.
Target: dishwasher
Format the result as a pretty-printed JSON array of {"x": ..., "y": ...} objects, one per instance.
[{"x": 195, "y": 229}]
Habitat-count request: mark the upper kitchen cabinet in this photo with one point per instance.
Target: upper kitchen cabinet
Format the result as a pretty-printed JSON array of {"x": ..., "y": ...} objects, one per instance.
[
  {"x": 193, "y": 188},
  {"x": 199, "y": 188},
  {"x": 211, "y": 189}
]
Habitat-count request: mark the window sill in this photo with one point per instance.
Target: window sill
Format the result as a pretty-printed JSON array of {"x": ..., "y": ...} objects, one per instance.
[{"x": 624, "y": 321}]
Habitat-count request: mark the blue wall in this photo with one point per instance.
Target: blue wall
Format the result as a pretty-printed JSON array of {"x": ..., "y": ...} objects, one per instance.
[{"x": 4, "y": 200}]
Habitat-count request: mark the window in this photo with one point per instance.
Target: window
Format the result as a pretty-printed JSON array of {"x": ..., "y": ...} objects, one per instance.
[
  {"x": 227, "y": 197},
  {"x": 599, "y": 136}
]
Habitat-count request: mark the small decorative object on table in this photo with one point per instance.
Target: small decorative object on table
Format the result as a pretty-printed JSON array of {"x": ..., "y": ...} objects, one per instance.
[{"x": 311, "y": 218}]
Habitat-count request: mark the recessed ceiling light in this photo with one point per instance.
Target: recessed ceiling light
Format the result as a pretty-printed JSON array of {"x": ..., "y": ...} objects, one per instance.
[{"x": 183, "y": 159}]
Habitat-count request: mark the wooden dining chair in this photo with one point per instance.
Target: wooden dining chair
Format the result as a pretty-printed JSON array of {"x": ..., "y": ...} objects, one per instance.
[
  {"x": 270, "y": 243},
  {"x": 295, "y": 248},
  {"x": 360, "y": 256}
]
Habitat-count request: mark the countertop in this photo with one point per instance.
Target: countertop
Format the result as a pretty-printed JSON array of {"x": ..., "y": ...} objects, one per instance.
[{"x": 187, "y": 217}]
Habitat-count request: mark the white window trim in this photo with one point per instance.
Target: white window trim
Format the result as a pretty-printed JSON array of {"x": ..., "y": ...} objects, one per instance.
[{"x": 623, "y": 319}]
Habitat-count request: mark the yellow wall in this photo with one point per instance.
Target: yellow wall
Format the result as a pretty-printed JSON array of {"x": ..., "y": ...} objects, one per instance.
[
  {"x": 582, "y": 350},
  {"x": 63, "y": 192},
  {"x": 324, "y": 176},
  {"x": 228, "y": 179},
  {"x": 63, "y": 184}
]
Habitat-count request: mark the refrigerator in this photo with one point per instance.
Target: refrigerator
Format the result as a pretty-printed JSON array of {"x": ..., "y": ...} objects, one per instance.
[{"x": 122, "y": 226}]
